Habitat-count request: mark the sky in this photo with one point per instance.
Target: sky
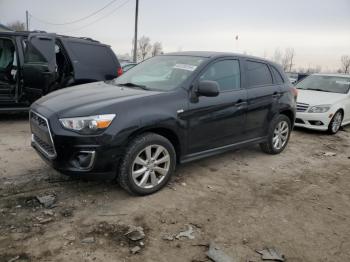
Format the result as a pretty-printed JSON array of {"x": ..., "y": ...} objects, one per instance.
[{"x": 318, "y": 30}]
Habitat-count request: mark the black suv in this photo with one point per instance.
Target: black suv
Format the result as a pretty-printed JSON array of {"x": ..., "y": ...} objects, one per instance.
[
  {"x": 33, "y": 64},
  {"x": 167, "y": 110}
]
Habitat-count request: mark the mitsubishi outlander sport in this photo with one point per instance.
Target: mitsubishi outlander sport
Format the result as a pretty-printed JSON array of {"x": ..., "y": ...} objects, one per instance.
[{"x": 167, "y": 110}]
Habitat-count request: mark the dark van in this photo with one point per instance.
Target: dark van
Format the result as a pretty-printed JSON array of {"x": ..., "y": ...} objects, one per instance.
[{"x": 33, "y": 64}]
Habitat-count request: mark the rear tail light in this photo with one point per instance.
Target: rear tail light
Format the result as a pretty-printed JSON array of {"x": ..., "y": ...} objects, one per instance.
[
  {"x": 294, "y": 91},
  {"x": 119, "y": 71}
]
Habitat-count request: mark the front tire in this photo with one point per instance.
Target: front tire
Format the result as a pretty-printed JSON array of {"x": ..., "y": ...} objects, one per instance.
[
  {"x": 278, "y": 135},
  {"x": 335, "y": 123},
  {"x": 147, "y": 165}
]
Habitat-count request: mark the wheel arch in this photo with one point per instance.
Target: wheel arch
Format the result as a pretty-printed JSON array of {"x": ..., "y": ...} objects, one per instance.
[
  {"x": 290, "y": 114},
  {"x": 166, "y": 132}
]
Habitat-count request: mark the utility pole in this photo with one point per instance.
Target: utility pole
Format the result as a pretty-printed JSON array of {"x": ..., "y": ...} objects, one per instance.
[
  {"x": 136, "y": 24},
  {"x": 27, "y": 20}
]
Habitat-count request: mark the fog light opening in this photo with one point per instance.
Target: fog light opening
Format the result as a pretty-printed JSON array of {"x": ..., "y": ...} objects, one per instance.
[
  {"x": 316, "y": 123},
  {"x": 84, "y": 160}
]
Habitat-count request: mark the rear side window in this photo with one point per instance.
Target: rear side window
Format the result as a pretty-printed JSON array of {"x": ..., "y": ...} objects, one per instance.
[
  {"x": 226, "y": 73},
  {"x": 98, "y": 56},
  {"x": 258, "y": 74},
  {"x": 277, "y": 76}
]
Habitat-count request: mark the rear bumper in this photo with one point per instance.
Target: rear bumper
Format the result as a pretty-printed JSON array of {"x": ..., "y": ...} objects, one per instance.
[{"x": 313, "y": 121}]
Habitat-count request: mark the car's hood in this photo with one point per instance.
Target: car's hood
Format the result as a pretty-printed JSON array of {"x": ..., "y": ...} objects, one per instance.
[
  {"x": 88, "y": 98},
  {"x": 318, "y": 97}
]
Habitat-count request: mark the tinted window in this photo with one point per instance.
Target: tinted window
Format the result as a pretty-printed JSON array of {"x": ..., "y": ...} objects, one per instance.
[
  {"x": 97, "y": 56},
  {"x": 277, "y": 75},
  {"x": 226, "y": 73},
  {"x": 258, "y": 74},
  {"x": 31, "y": 54}
]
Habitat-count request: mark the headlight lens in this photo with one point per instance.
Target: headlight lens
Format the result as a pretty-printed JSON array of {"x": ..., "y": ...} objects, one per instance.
[
  {"x": 319, "y": 109},
  {"x": 88, "y": 124}
]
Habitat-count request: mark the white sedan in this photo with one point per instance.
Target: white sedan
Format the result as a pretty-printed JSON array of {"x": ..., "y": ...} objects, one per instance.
[{"x": 323, "y": 102}]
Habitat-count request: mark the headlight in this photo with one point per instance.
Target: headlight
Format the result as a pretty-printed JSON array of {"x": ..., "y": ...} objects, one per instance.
[
  {"x": 319, "y": 109},
  {"x": 89, "y": 124}
]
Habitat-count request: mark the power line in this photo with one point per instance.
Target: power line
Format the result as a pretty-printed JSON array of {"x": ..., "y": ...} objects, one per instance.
[
  {"x": 74, "y": 21},
  {"x": 97, "y": 20}
]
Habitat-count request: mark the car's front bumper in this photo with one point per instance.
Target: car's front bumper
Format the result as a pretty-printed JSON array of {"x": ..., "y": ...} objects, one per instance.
[
  {"x": 315, "y": 121},
  {"x": 71, "y": 153}
]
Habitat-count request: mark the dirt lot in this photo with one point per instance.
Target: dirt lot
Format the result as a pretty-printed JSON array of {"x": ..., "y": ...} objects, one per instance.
[{"x": 297, "y": 202}]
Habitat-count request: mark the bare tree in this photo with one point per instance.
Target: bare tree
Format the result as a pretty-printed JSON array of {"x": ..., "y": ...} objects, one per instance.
[
  {"x": 277, "y": 56},
  {"x": 345, "y": 64},
  {"x": 157, "y": 49},
  {"x": 144, "y": 47},
  {"x": 16, "y": 26},
  {"x": 287, "y": 59}
]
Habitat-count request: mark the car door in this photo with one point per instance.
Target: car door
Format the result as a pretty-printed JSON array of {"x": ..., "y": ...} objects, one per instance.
[
  {"x": 263, "y": 98},
  {"x": 218, "y": 121},
  {"x": 39, "y": 68}
]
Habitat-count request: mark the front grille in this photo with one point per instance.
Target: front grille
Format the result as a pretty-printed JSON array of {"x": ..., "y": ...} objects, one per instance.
[
  {"x": 41, "y": 135},
  {"x": 301, "y": 107},
  {"x": 49, "y": 149}
]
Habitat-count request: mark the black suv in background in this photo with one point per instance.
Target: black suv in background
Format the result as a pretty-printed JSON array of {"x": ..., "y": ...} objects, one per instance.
[
  {"x": 167, "y": 110},
  {"x": 33, "y": 64}
]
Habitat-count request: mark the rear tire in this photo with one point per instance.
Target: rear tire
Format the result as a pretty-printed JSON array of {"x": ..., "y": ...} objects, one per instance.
[
  {"x": 335, "y": 123},
  {"x": 278, "y": 135},
  {"x": 147, "y": 165}
]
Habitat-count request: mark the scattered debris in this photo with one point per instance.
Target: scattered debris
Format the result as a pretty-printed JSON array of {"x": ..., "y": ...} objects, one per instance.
[
  {"x": 135, "y": 233},
  {"x": 47, "y": 201},
  {"x": 183, "y": 184},
  {"x": 14, "y": 259},
  {"x": 271, "y": 254},
  {"x": 68, "y": 212},
  {"x": 48, "y": 213},
  {"x": 44, "y": 220},
  {"x": 217, "y": 255},
  {"x": 88, "y": 240},
  {"x": 168, "y": 237},
  {"x": 69, "y": 237},
  {"x": 188, "y": 233},
  {"x": 135, "y": 250},
  {"x": 245, "y": 241},
  {"x": 329, "y": 154}
]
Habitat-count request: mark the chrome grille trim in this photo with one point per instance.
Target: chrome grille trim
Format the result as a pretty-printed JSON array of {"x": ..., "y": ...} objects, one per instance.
[
  {"x": 302, "y": 107},
  {"x": 38, "y": 143}
]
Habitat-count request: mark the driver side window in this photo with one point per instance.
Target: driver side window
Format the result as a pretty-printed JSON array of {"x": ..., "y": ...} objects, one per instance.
[{"x": 226, "y": 73}]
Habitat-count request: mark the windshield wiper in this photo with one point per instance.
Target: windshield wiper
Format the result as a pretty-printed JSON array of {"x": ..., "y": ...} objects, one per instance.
[{"x": 129, "y": 84}]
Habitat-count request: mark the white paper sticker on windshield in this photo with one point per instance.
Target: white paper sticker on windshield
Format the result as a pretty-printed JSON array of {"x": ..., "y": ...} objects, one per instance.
[
  {"x": 343, "y": 82},
  {"x": 185, "y": 67}
]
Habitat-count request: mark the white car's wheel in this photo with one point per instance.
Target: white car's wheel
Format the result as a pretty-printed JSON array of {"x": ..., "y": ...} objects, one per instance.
[{"x": 335, "y": 123}]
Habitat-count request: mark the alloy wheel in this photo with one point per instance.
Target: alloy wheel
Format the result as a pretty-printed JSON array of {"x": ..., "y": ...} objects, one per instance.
[
  {"x": 280, "y": 135},
  {"x": 337, "y": 122},
  {"x": 151, "y": 166}
]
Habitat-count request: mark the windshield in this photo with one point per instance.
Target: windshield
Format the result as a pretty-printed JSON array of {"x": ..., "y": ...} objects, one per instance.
[
  {"x": 333, "y": 84},
  {"x": 162, "y": 73}
]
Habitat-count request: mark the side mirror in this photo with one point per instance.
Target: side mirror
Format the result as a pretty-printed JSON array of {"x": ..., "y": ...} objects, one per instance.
[{"x": 208, "y": 88}]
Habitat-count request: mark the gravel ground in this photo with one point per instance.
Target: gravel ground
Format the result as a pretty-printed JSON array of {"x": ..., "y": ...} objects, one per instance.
[{"x": 297, "y": 202}]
